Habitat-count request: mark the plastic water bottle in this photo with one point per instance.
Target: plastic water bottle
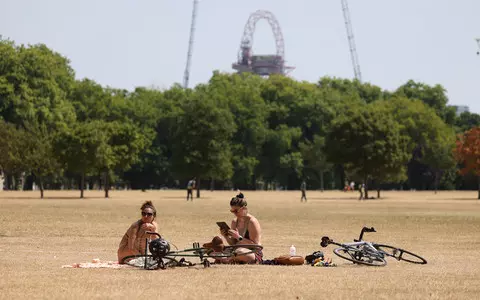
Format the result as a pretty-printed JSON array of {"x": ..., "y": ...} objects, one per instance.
[{"x": 293, "y": 251}]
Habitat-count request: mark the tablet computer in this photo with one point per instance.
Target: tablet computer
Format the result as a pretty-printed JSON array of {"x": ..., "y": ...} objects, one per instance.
[{"x": 223, "y": 226}]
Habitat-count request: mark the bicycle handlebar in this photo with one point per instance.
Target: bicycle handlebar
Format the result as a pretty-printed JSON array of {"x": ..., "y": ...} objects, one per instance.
[
  {"x": 365, "y": 229},
  {"x": 154, "y": 233},
  {"x": 326, "y": 240}
]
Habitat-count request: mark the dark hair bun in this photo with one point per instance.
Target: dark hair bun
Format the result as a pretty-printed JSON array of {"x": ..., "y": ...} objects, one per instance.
[{"x": 239, "y": 200}]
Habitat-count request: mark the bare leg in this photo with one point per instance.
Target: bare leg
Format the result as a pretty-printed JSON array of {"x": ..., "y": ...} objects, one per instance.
[{"x": 241, "y": 257}]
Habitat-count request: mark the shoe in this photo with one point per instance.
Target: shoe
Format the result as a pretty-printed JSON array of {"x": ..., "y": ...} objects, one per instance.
[{"x": 216, "y": 244}]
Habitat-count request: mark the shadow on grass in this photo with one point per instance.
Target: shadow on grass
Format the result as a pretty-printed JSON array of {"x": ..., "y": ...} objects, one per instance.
[
  {"x": 341, "y": 198},
  {"x": 185, "y": 198},
  {"x": 53, "y": 198}
]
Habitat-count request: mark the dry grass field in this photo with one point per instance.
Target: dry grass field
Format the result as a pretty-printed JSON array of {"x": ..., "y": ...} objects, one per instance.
[{"x": 38, "y": 236}]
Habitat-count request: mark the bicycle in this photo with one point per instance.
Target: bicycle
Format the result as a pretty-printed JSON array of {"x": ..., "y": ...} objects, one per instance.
[
  {"x": 369, "y": 253},
  {"x": 161, "y": 256}
]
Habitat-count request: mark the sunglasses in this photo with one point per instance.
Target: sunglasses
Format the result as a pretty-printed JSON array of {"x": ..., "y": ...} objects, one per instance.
[{"x": 144, "y": 214}]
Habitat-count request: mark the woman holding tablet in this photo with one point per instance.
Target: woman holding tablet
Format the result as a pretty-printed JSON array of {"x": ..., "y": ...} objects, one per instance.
[{"x": 245, "y": 229}]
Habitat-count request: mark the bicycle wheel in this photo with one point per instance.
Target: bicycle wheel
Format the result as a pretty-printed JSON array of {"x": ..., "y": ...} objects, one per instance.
[
  {"x": 400, "y": 254},
  {"x": 359, "y": 256},
  {"x": 229, "y": 251},
  {"x": 148, "y": 262}
]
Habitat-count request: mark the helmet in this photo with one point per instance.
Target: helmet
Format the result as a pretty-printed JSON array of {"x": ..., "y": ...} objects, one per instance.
[{"x": 159, "y": 248}]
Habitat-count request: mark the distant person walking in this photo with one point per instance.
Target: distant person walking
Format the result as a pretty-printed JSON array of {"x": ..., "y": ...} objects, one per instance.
[
  {"x": 190, "y": 187},
  {"x": 303, "y": 188},
  {"x": 361, "y": 189},
  {"x": 346, "y": 187}
]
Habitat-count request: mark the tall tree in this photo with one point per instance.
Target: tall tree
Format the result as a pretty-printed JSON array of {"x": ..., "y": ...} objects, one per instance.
[
  {"x": 468, "y": 153},
  {"x": 38, "y": 153},
  {"x": 369, "y": 143},
  {"x": 76, "y": 150},
  {"x": 34, "y": 85},
  {"x": 11, "y": 151},
  {"x": 242, "y": 92},
  {"x": 362, "y": 91},
  {"x": 467, "y": 121},
  {"x": 155, "y": 111},
  {"x": 433, "y": 96},
  {"x": 103, "y": 147},
  {"x": 439, "y": 157},
  {"x": 202, "y": 138},
  {"x": 315, "y": 159},
  {"x": 430, "y": 140}
]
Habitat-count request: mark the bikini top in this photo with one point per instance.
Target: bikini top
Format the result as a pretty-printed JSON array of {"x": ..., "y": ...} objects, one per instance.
[{"x": 245, "y": 234}]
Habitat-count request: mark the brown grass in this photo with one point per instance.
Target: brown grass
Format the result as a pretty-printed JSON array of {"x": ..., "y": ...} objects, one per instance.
[{"x": 38, "y": 236}]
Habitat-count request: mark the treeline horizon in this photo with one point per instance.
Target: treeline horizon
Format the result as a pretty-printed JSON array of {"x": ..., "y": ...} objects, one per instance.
[{"x": 236, "y": 131}]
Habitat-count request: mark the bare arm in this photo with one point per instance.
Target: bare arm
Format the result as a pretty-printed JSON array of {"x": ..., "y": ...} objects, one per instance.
[
  {"x": 150, "y": 227},
  {"x": 154, "y": 229}
]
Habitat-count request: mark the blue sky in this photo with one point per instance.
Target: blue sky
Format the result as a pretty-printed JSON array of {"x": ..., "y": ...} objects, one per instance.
[{"x": 129, "y": 43}]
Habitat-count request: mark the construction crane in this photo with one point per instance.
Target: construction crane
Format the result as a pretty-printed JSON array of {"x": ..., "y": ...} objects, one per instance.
[
  {"x": 186, "y": 75},
  {"x": 351, "y": 41}
]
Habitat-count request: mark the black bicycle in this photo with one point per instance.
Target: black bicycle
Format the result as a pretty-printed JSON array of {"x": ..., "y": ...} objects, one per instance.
[
  {"x": 369, "y": 253},
  {"x": 158, "y": 254}
]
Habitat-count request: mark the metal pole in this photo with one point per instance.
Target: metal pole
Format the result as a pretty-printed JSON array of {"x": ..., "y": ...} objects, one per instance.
[{"x": 186, "y": 76}]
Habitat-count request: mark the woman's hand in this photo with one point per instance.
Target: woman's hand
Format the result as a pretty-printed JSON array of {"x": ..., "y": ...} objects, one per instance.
[
  {"x": 233, "y": 234},
  {"x": 224, "y": 232},
  {"x": 148, "y": 227}
]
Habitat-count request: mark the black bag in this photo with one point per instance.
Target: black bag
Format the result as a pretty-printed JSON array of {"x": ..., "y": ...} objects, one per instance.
[{"x": 309, "y": 259}]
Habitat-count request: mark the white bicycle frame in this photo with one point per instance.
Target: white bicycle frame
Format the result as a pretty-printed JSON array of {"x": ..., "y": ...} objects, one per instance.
[
  {"x": 372, "y": 250},
  {"x": 367, "y": 246}
]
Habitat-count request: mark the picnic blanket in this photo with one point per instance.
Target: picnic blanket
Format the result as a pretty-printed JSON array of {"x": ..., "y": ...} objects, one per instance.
[{"x": 96, "y": 264}]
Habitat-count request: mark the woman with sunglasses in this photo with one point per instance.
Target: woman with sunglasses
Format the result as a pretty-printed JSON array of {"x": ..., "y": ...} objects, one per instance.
[
  {"x": 133, "y": 242},
  {"x": 245, "y": 229}
]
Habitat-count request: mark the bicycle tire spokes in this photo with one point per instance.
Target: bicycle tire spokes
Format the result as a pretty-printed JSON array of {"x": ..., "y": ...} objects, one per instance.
[
  {"x": 360, "y": 256},
  {"x": 141, "y": 261},
  {"x": 149, "y": 262},
  {"x": 400, "y": 254}
]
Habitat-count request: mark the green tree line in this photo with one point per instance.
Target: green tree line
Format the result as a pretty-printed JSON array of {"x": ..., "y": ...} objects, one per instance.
[{"x": 235, "y": 131}]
